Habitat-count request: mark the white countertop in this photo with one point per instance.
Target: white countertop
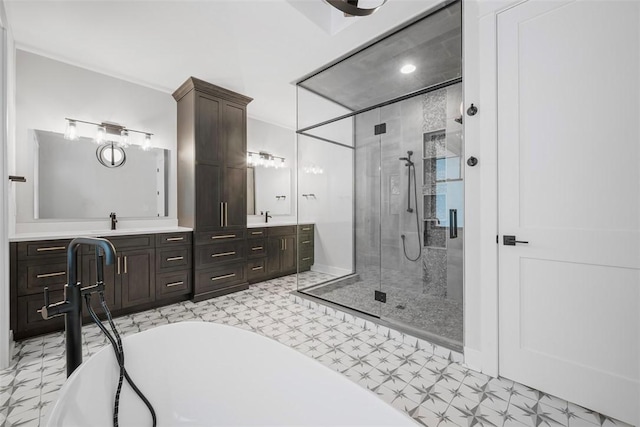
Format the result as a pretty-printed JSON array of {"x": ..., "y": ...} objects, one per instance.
[
  {"x": 271, "y": 224},
  {"x": 23, "y": 237}
]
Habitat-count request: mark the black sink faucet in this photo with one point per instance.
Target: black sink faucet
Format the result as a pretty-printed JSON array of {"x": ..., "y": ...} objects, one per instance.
[
  {"x": 71, "y": 307},
  {"x": 267, "y": 216},
  {"x": 112, "y": 215}
]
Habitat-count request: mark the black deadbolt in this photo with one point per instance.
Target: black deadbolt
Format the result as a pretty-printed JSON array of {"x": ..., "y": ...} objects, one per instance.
[
  {"x": 472, "y": 161},
  {"x": 472, "y": 111}
]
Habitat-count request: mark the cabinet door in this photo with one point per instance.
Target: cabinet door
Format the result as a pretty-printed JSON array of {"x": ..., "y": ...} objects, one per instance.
[
  {"x": 288, "y": 254},
  {"x": 274, "y": 247},
  {"x": 235, "y": 197},
  {"x": 138, "y": 277},
  {"x": 208, "y": 197},
  {"x": 208, "y": 146},
  {"x": 234, "y": 135},
  {"x": 111, "y": 283}
]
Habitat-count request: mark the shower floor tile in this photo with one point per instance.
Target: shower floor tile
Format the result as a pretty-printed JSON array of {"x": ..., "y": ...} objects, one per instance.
[{"x": 433, "y": 390}]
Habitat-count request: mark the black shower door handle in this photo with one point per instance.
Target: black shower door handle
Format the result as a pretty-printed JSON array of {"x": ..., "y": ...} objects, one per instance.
[{"x": 453, "y": 223}]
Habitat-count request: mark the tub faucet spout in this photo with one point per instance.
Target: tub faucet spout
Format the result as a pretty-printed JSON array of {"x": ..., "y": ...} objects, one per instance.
[{"x": 71, "y": 307}]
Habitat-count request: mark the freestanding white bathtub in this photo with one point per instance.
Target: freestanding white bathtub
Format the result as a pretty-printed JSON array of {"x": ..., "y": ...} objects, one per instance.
[{"x": 205, "y": 374}]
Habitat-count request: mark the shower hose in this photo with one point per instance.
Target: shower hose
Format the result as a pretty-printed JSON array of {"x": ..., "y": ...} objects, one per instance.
[
  {"x": 415, "y": 188},
  {"x": 119, "y": 350}
]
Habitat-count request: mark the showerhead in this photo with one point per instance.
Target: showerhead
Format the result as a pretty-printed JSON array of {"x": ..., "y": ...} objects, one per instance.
[{"x": 407, "y": 159}]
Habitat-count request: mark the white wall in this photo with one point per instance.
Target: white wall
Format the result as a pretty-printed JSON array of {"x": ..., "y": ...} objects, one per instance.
[
  {"x": 48, "y": 91},
  {"x": 332, "y": 207},
  {"x": 481, "y": 184},
  {"x": 279, "y": 141}
]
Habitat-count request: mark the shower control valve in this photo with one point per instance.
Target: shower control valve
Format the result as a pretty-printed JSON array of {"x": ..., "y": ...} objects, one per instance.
[
  {"x": 472, "y": 161},
  {"x": 472, "y": 110}
]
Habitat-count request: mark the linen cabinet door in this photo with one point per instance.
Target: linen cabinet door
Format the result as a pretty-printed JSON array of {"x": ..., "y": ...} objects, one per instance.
[
  {"x": 138, "y": 277},
  {"x": 235, "y": 198},
  {"x": 208, "y": 147},
  {"x": 234, "y": 135},
  {"x": 209, "y": 209}
]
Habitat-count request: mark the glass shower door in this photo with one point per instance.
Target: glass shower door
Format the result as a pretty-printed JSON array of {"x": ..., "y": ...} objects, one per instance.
[{"x": 422, "y": 216}]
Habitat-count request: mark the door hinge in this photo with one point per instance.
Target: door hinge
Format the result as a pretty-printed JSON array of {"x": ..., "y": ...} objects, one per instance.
[
  {"x": 380, "y": 296},
  {"x": 380, "y": 129}
]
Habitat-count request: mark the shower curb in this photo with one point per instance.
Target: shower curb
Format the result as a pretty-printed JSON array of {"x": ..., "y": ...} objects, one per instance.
[{"x": 367, "y": 325}]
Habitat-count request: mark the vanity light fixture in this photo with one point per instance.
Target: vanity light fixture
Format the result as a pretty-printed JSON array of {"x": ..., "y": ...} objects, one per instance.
[
  {"x": 108, "y": 132},
  {"x": 124, "y": 138},
  {"x": 265, "y": 159},
  {"x": 101, "y": 133},
  {"x": 146, "y": 144},
  {"x": 71, "y": 133}
]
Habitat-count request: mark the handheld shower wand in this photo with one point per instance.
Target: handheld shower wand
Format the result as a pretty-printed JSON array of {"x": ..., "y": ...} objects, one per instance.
[{"x": 409, "y": 164}]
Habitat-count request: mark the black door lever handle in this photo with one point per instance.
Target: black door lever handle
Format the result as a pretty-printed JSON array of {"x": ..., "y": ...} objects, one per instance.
[{"x": 511, "y": 240}]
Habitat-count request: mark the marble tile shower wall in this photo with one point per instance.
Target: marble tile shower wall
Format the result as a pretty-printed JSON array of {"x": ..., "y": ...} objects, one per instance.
[{"x": 442, "y": 138}]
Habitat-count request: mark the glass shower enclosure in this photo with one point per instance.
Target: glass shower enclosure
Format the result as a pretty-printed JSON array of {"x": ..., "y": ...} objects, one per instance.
[{"x": 380, "y": 158}]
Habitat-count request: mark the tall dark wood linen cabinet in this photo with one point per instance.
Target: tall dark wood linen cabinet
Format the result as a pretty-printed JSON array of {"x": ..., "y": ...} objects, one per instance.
[{"x": 212, "y": 184}]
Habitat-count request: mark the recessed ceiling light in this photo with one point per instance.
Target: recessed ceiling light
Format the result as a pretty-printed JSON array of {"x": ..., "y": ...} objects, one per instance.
[{"x": 407, "y": 69}]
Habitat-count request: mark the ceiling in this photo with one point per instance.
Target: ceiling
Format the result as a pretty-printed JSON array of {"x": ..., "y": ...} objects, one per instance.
[
  {"x": 259, "y": 48},
  {"x": 372, "y": 76}
]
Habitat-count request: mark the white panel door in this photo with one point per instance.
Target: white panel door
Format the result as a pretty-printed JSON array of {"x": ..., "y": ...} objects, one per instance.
[{"x": 569, "y": 156}]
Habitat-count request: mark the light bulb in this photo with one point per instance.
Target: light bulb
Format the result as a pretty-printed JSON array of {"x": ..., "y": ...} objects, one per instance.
[
  {"x": 281, "y": 163},
  {"x": 100, "y": 134},
  {"x": 408, "y": 69},
  {"x": 272, "y": 162},
  {"x": 146, "y": 144},
  {"x": 249, "y": 159},
  {"x": 124, "y": 138},
  {"x": 71, "y": 133}
]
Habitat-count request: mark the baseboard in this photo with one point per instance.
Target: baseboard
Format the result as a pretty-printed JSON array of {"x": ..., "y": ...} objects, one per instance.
[{"x": 473, "y": 359}]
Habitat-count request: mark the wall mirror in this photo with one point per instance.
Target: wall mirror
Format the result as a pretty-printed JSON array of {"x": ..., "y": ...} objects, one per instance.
[
  {"x": 268, "y": 189},
  {"x": 71, "y": 183}
]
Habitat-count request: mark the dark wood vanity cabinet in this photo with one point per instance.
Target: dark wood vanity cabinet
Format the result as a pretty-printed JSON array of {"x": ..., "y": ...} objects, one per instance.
[
  {"x": 281, "y": 254},
  {"x": 279, "y": 250},
  {"x": 306, "y": 241},
  {"x": 212, "y": 184},
  {"x": 149, "y": 271}
]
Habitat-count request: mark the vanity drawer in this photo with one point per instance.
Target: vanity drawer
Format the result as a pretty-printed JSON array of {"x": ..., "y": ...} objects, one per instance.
[
  {"x": 256, "y": 233},
  {"x": 221, "y": 277},
  {"x": 140, "y": 241},
  {"x": 284, "y": 230},
  {"x": 43, "y": 248},
  {"x": 209, "y": 255},
  {"x": 30, "y": 321},
  {"x": 256, "y": 248},
  {"x": 305, "y": 262},
  {"x": 173, "y": 258},
  {"x": 305, "y": 228},
  {"x": 173, "y": 239},
  {"x": 170, "y": 284},
  {"x": 33, "y": 278},
  {"x": 305, "y": 243},
  {"x": 204, "y": 238},
  {"x": 256, "y": 269}
]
